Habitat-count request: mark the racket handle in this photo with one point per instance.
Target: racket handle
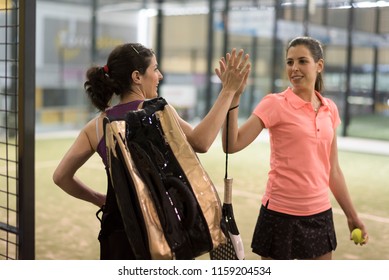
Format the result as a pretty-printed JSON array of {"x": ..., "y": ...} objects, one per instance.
[{"x": 228, "y": 190}]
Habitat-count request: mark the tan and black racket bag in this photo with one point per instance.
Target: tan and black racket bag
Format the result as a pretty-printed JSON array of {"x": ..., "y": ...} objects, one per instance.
[{"x": 169, "y": 205}]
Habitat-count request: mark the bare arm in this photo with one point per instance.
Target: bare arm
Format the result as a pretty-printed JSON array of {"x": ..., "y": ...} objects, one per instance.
[
  {"x": 339, "y": 190},
  {"x": 202, "y": 136},
  {"x": 76, "y": 156},
  {"x": 238, "y": 138}
]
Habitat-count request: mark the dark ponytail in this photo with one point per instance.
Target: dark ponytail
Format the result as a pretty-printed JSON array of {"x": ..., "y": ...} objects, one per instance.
[
  {"x": 115, "y": 77},
  {"x": 98, "y": 87}
]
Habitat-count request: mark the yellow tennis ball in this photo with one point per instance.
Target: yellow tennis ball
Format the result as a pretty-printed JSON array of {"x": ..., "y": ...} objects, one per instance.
[{"x": 356, "y": 235}]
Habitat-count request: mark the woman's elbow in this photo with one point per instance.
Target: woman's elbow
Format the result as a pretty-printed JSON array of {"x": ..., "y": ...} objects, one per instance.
[
  {"x": 199, "y": 145},
  {"x": 201, "y": 148},
  {"x": 57, "y": 177},
  {"x": 230, "y": 149}
]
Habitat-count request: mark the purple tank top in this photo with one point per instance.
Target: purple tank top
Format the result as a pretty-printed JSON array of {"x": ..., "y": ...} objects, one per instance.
[{"x": 118, "y": 111}]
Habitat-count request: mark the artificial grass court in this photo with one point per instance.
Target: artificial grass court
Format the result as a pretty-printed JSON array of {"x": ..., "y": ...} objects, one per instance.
[{"x": 67, "y": 228}]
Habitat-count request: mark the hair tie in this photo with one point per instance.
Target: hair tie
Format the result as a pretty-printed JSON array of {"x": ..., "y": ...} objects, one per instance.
[{"x": 105, "y": 68}]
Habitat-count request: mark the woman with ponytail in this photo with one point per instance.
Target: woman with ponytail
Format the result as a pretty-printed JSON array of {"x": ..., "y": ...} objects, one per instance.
[{"x": 131, "y": 76}]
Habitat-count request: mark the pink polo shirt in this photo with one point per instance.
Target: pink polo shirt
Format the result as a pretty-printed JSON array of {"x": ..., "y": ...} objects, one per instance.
[{"x": 300, "y": 143}]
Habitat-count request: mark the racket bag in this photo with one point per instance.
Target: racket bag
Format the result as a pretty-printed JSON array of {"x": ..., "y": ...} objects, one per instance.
[{"x": 169, "y": 205}]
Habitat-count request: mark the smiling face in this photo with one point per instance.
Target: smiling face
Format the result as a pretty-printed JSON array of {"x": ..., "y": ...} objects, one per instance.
[
  {"x": 301, "y": 68},
  {"x": 150, "y": 79}
]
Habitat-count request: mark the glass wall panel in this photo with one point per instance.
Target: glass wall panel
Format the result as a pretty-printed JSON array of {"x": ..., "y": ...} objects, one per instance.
[{"x": 66, "y": 32}]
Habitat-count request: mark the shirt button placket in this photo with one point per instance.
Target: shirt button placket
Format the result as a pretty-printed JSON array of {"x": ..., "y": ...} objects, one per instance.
[{"x": 317, "y": 127}]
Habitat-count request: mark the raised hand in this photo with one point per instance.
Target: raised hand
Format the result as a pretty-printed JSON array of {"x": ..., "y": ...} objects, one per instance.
[{"x": 234, "y": 70}]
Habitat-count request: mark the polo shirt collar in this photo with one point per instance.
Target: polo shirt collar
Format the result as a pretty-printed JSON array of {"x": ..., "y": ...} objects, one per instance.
[{"x": 297, "y": 102}]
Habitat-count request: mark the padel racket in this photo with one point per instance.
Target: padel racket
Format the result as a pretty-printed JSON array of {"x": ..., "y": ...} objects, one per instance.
[{"x": 233, "y": 249}]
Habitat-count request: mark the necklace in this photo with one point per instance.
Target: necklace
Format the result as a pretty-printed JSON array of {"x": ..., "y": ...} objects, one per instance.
[{"x": 316, "y": 106}]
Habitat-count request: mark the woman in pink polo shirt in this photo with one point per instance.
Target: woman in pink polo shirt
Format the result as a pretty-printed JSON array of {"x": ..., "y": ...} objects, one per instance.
[{"x": 295, "y": 220}]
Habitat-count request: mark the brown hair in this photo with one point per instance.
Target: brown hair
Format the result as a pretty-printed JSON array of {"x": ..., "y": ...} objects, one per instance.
[{"x": 115, "y": 77}]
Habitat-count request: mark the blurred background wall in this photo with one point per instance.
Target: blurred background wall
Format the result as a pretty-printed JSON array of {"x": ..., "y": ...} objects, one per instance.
[{"x": 190, "y": 36}]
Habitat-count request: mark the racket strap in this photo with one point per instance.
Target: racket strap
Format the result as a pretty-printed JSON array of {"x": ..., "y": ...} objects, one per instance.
[{"x": 227, "y": 125}]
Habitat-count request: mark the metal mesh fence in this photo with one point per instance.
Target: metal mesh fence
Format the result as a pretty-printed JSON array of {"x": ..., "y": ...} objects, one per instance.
[
  {"x": 17, "y": 123},
  {"x": 9, "y": 25}
]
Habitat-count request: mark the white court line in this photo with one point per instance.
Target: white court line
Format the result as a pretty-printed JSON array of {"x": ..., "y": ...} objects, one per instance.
[
  {"x": 337, "y": 211},
  {"x": 366, "y": 216}
]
